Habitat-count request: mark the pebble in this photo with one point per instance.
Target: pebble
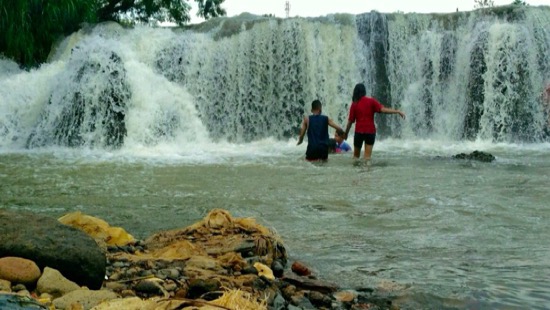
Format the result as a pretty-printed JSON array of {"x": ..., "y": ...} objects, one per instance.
[{"x": 19, "y": 270}]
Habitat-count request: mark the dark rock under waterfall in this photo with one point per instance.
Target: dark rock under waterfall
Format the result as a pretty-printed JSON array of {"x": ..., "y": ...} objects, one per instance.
[
  {"x": 476, "y": 155},
  {"x": 476, "y": 89},
  {"x": 92, "y": 113},
  {"x": 372, "y": 29}
]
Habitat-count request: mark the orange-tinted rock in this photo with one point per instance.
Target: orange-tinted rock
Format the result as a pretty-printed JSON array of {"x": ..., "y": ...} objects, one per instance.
[
  {"x": 19, "y": 270},
  {"x": 300, "y": 269},
  {"x": 345, "y": 296}
]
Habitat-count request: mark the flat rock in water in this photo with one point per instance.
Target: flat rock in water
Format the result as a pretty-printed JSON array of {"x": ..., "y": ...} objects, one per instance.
[
  {"x": 16, "y": 302},
  {"x": 49, "y": 243},
  {"x": 310, "y": 284},
  {"x": 476, "y": 155}
]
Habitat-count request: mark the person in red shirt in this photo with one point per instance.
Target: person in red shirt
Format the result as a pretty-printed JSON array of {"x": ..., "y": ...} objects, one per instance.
[{"x": 361, "y": 113}]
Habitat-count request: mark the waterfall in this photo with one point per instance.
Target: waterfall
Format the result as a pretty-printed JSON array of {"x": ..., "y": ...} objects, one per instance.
[
  {"x": 260, "y": 81},
  {"x": 460, "y": 76},
  {"x": 471, "y": 76}
]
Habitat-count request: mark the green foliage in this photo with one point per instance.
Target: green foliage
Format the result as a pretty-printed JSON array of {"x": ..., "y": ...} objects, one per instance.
[
  {"x": 210, "y": 8},
  {"x": 152, "y": 11},
  {"x": 480, "y": 4},
  {"x": 144, "y": 11},
  {"x": 519, "y": 2},
  {"x": 28, "y": 28}
]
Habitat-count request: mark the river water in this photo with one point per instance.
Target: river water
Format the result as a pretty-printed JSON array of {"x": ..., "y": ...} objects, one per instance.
[{"x": 434, "y": 232}]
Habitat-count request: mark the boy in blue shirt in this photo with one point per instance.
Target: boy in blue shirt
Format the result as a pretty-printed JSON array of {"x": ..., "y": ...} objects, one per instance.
[
  {"x": 316, "y": 126},
  {"x": 341, "y": 145}
]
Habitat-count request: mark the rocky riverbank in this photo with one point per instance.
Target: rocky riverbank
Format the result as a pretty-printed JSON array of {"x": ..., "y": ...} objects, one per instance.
[{"x": 220, "y": 262}]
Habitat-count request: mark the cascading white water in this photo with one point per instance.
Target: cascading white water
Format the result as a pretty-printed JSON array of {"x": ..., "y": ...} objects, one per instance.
[
  {"x": 254, "y": 84},
  {"x": 477, "y": 76},
  {"x": 259, "y": 82},
  {"x": 457, "y": 76},
  {"x": 99, "y": 91}
]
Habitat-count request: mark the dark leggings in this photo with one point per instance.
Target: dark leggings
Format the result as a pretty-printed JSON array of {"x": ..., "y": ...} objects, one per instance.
[{"x": 359, "y": 138}]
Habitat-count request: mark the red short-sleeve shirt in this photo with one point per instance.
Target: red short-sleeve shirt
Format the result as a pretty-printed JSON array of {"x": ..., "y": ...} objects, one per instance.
[{"x": 362, "y": 113}]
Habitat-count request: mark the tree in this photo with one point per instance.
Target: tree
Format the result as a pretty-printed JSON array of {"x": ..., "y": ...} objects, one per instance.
[
  {"x": 147, "y": 11},
  {"x": 480, "y": 4},
  {"x": 210, "y": 8},
  {"x": 519, "y": 2},
  {"x": 28, "y": 28}
]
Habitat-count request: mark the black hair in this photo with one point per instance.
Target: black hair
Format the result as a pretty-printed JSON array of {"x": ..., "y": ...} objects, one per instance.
[
  {"x": 316, "y": 105},
  {"x": 358, "y": 92},
  {"x": 340, "y": 132}
]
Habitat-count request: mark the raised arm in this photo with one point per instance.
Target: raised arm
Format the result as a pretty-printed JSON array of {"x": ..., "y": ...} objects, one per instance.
[
  {"x": 392, "y": 111},
  {"x": 303, "y": 130}
]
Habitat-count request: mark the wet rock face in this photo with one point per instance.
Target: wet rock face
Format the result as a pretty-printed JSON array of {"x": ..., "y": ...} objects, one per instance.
[
  {"x": 49, "y": 243},
  {"x": 476, "y": 155},
  {"x": 90, "y": 110}
]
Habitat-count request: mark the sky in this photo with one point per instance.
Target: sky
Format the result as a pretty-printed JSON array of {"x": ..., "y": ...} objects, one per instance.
[{"x": 311, "y": 8}]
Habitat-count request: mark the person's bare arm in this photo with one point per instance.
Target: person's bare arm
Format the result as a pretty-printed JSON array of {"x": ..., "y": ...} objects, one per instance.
[
  {"x": 348, "y": 127},
  {"x": 303, "y": 130},
  {"x": 392, "y": 111},
  {"x": 332, "y": 124}
]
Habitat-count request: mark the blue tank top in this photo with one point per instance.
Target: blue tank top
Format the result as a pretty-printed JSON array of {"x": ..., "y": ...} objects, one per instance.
[{"x": 317, "y": 130}]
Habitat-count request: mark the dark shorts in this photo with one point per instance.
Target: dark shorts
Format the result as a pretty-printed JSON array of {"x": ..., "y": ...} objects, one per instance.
[
  {"x": 359, "y": 138},
  {"x": 318, "y": 152}
]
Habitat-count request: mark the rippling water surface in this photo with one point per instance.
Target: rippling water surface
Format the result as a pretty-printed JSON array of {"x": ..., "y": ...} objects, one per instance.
[{"x": 430, "y": 231}]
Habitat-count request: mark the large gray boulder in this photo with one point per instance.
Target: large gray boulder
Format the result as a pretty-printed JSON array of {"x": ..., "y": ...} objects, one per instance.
[{"x": 49, "y": 243}]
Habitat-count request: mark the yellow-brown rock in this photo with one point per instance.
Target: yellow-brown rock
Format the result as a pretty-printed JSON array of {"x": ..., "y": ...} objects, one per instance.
[
  {"x": 19, "y": 270},
  {"x": 264, "y": 271},
  {"x": 345, "y": 296},
  {"x": 97, "y": 228}
]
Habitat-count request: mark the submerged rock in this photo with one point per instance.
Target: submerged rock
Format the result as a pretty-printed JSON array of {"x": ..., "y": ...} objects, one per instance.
[
  {"x": 16, "y": 302},
  {"x": 310, "y": 284},
  {"x": 476, "y": 155}
]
